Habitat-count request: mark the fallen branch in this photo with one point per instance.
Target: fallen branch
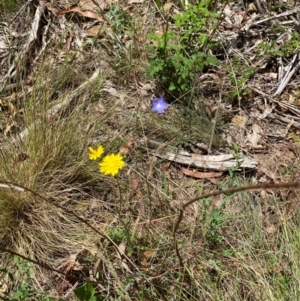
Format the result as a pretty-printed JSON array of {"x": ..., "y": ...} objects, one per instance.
[
  {"x": 65, "y": 102},
  {"x": 210, "y": 162},
  {"x": 62, "y": 105}
]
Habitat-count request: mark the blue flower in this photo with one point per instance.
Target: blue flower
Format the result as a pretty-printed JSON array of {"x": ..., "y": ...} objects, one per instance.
[{"x": 159, "y": 105}]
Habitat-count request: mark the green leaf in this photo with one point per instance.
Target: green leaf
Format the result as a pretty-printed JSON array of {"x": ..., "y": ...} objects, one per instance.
[
  {"x": 85, "y": 292},
  {"x": 159, "y": 3}
]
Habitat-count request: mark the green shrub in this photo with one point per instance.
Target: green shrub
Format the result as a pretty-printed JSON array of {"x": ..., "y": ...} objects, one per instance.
[{"x": 186, "y": 49}]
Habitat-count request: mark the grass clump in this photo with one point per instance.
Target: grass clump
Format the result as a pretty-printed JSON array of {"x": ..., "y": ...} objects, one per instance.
[
  {"x": 49, "y": 157},
  {"x": 8, "y": 6}
]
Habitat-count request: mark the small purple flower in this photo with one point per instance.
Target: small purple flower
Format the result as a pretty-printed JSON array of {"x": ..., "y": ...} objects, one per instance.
[{"x": 159, "y": 105}]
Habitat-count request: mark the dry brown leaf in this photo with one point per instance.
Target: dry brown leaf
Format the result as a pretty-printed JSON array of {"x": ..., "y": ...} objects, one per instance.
[
  {"x": 122, "y": 249},
  {"x": 239, "y": 121},
  {"x": 124, "y": 150},
  {"x": 146, "y": 257},
  {"x": 160, "y": 33},
  {"x": 73, "y": 264},
  {"x": 291, "y": 99},
  {"x": 112, "y": 91},
  {"x": 200, "y": 175},
  {"x": 135, "y": 184},
  {"x": 12, "y": 96},
  {"x": 255, "y": 136},
  {"x": 208, "y": 111},
  {"x": 227, "y": 10},
  {"x": 87, "y": 13},
  {"x": 167, "y": 6},
  {"x": 9, "y": 125},
  {"x": 100, "y": 108},
  {"x": 93, "y": 31},
  {"x": 20, "y": 158},
  {"x": 268, "y": 110},
  {"x": 88, "y": 5},
  {"x": 252, "y": 8},
  {"x": 271, "y": 229},
  {"x": 145, "y": 89}
]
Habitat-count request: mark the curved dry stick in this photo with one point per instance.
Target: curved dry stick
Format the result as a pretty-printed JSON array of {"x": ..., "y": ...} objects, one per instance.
[
  {"x": 14, "y": 186},
  {"x": 288, "y": 185}
]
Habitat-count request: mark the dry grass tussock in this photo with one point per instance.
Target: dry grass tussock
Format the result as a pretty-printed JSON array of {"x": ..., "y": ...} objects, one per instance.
[
  {"x": 242, "y": 246},
  {"x": 50, "y": 159}
]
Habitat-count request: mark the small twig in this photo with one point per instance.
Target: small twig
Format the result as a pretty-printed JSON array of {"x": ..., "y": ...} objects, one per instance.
[
  {"x": 288, "y": 75},
  {"x": 284, "y": 105},
  {"x": 227, "y": 191},
  {"x": 17, "y": 85},
  {"x": 280, "y": 68},
  {"x": 281, "y": 119},
  {"x": 65, "y": 102},
  {"x": 285, "y": 14},
  {"x": 11, "y": 187},
  {"x": 258, "y": 6}
]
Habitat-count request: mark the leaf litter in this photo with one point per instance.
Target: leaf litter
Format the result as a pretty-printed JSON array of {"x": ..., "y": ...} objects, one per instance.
[{"x": 263, "y": 116}]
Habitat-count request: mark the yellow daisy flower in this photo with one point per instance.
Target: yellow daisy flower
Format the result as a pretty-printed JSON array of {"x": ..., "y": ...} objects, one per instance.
[
  {"x": 111, "y": 164},
  {"x": 96, "y": 153}
]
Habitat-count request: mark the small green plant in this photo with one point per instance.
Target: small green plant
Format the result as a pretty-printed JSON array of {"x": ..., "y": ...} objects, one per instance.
[
  {"x": 287, "y": 49},
  {"x": 117, "y": 234},
  {"x": 117, "y": 18},
  {"x": 20, "y": 283},
  {"x": 291, "y": 46},
  {"x": 236, "y": 149},
  {"x": 212, "y": 218},
  {"x": 271, "y": 49},
  {"x": 241, "y": 74},
  {"x": 235, "y": 181},
  {"x": 216, "y": 219},
  {"x": 86, "y": 292},
  {"x": 185, "y": 50},
  {"x": 295, "y": 137}
]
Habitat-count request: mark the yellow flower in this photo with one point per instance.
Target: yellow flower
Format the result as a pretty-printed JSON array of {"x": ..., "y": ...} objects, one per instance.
[
  {"x": 111, "y": 164},
  {"x": 96, "y": 153}
]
